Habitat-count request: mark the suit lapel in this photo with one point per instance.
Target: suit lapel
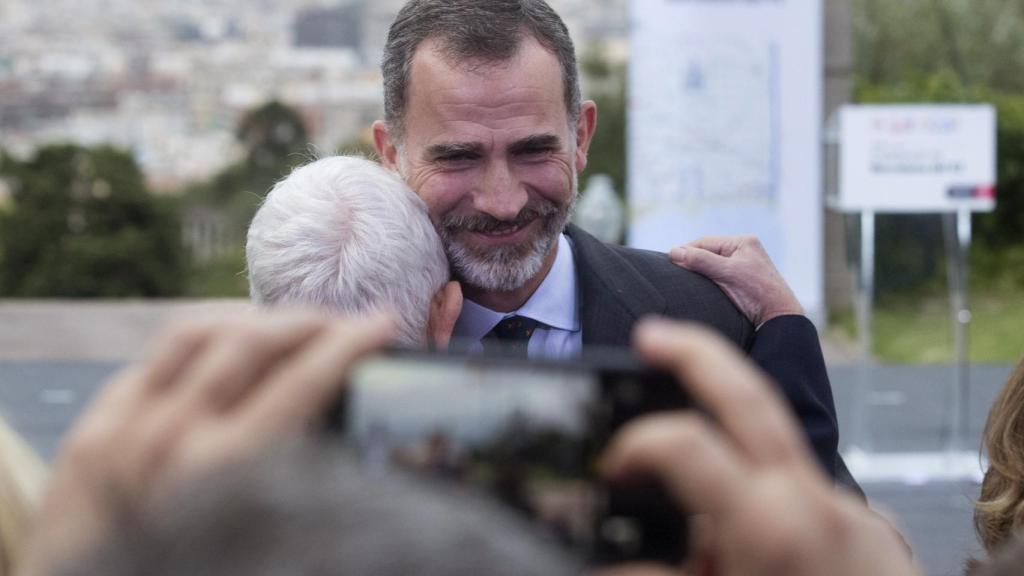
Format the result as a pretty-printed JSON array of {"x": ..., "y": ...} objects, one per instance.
[{"x": 613, "y": 295}]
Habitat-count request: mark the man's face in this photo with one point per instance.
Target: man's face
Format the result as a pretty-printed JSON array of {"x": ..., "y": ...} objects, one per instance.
[{"x": 490, "y": 151}]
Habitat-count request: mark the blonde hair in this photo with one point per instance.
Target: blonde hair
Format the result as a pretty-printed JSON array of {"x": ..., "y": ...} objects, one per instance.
[
  {"x": 999, "y": 512},
  {"x": 22, "y": 479}
]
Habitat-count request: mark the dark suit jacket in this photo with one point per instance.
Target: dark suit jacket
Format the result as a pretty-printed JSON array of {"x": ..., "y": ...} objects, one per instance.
[{"x": 617, "y": 286}]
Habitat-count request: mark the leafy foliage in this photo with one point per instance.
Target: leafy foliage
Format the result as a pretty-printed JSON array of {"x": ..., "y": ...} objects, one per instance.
[
  {"x": 83, "y": 224},
  {"x": 951, "y": 51},
  {"x": 979, "y": 42},
  {"x": 276, "y": 140},
  {"x": 606, "y": 83}
]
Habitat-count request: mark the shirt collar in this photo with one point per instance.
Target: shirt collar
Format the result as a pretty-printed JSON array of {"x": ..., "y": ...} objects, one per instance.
[{"x": 552, "y": 304}]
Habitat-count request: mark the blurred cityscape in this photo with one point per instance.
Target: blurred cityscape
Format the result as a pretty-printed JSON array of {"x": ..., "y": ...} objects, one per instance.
[{"x": 168, "y": 81}]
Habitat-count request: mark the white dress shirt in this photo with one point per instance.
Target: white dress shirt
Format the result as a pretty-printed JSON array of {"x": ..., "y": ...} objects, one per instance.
[{"x": 554, "y": 304}]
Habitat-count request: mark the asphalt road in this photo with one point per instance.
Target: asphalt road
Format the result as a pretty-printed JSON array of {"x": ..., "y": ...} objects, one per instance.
[{"x": 907, "y": 409}]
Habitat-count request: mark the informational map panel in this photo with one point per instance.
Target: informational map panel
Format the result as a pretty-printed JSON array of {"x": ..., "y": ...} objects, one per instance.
[
  {"x": 917, "y": 158},
  {"x": 724, "y": 129}
]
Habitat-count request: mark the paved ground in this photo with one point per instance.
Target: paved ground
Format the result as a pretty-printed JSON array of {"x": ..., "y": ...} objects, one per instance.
[
  {"x": 905, "y": 420},
  {"x": 53, "y": 357},
  {"x": 907, "y": 406},
  {"x": 41, "y": 399},
  {"x": 93, "y": 330},
  {"x": 935, "y": 518}
]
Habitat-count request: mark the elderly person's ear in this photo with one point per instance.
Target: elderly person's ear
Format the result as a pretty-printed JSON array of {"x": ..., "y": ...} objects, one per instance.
[{"x": 444, "y": 311}]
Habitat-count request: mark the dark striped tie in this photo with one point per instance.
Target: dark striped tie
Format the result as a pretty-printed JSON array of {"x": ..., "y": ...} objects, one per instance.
[{"x": 510, "y": 337}]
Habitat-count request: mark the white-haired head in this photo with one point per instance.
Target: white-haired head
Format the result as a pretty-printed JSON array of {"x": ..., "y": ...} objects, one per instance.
[{"x": 346, "y": 234}]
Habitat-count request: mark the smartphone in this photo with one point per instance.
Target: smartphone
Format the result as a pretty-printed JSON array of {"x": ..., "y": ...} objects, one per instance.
[{"x": 528, "y": 433}]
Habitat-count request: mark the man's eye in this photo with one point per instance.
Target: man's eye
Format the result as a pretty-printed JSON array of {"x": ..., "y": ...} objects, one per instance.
[
  {"x": 460, "y": 157},
  {"x": 534, "y": 153}
]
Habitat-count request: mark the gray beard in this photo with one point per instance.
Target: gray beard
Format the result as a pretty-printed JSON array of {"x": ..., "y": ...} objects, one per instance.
[{"x": 506, "y": 268}]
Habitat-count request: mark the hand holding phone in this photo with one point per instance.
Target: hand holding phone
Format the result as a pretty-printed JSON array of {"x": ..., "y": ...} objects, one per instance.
[{"x": 527, "y": 432}]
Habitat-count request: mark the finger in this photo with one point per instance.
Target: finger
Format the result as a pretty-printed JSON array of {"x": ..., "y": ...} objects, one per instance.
[
  {"x": 237, "y": 356},
  {"x": 113, "y": 403},
  {"x": 233, "y": 355},
  {"x": 174, "y": 351},
  {"x": 721, "y": 245},
  {"x": 734, "y": 392},
  {"x": 699, "y": 468},
  {"x": 888, "y": 522},
  {"x": 699, "y": 260},
  {"x": 700, "y": 558},
  {"x": 82, "y": 463},
  {"x": 301, "y": 389}
]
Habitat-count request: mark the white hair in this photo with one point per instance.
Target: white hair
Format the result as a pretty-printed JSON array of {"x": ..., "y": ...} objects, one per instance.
[{"x": 346, "y": 234}]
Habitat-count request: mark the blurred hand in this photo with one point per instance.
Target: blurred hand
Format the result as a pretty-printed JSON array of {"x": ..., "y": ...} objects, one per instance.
[
  {"x": 742, "y": 269},
  {"x": 212, "y": 392},
  {"x": 766, "y": 507}
]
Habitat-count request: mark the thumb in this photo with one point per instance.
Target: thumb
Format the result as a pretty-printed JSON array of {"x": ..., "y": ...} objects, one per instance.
[{"x": 699, "y": 260}]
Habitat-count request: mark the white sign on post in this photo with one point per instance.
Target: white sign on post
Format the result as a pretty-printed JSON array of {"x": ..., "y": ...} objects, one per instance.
[
  {"x": 724, "y": 133},
  {"x": 917, "y": 158}
]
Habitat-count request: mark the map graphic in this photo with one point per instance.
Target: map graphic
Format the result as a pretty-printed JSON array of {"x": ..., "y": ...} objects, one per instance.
[
  {"x": 711, "y": 128},
  {"x": 724, "y": 129}
]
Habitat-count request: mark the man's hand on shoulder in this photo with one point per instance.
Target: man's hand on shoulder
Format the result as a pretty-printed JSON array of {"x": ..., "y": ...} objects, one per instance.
[{"x": 742, "y": 269}]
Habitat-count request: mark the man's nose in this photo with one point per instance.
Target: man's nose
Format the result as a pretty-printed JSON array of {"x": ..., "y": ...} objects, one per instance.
[{"x": 500, "y": 194}]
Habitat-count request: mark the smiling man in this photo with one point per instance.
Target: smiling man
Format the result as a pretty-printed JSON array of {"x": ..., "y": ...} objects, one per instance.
[
  {"x": 492, "y": 147},
  {"x": 484, "y": 119}
]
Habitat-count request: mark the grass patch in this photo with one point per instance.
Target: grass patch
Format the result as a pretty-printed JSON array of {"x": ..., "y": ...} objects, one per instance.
[{"x": 920, "y": 331}]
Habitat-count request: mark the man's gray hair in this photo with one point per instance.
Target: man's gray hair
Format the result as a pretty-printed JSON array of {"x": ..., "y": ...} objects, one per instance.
[
  {"x": 473, "y": 31},
  {"x": 346, "y": 234},
  {"x": 309, "y": 508}
]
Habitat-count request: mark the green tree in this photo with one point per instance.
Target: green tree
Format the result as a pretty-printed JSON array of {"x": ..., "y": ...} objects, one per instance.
[
  {"x": 83, "y": 224},
  {"x": 606, "y": 85},
  {"x": 948, "y": 51},
  {"x": 981, "y": 42},
  {"x": 271, "y": 134},
  {"x": 275, "y": 140}
]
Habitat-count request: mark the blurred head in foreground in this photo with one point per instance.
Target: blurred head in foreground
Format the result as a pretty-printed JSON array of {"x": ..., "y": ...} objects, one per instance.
[
  {"x": 309, "y": 509},
  {"x": 345, "y": 234},
  {"x": 999, "y": 514},
  {"x": 22, "y": 478}
]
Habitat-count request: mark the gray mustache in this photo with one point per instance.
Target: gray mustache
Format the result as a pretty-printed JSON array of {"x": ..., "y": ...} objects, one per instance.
[{"x": 484, "y": 223}]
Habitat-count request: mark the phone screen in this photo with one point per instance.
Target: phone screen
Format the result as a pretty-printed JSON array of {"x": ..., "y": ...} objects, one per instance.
[{"x": 525, "y": 435}]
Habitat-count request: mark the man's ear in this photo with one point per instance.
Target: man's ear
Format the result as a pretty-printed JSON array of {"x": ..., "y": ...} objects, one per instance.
[
  {"x": 386, "y": 147},
  {"x": 585, "y": 127},
  {"x": 444, "y": 311}
]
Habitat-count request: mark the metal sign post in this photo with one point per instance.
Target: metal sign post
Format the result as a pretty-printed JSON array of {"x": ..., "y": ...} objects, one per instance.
[
  {"x": 958, "y": 243},
  {"x": 865, "y": 305}
]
